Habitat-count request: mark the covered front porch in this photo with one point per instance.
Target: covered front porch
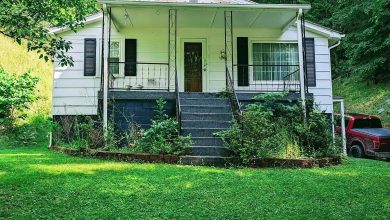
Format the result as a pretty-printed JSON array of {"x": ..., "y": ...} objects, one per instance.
[{"x": 203, "y": 49}]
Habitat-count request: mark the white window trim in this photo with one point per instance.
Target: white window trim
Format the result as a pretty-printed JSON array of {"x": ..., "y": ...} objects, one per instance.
[
  {"x": 121, "y": 56},
  {"x": 250, "y": 59}
]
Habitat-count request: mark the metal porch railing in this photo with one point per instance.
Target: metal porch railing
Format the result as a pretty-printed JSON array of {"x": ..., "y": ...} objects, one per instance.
[
  {"x": 139, "y": 76},
  {"x": 267, "y": 78}
]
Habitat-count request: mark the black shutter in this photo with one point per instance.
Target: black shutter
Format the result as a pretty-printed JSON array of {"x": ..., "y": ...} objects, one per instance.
[
  {"x": 131, "y": 57},
  {"x": 310, "y": 62},
  {"x": 242, "y": 61},
  {"x": 89, "y": 57}
]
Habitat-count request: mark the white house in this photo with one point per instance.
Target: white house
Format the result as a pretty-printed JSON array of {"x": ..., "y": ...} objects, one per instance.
[{"x": 141, "y": 50}]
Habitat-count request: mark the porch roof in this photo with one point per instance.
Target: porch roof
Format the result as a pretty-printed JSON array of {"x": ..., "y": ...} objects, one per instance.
[{"x": 239, "y": 4}]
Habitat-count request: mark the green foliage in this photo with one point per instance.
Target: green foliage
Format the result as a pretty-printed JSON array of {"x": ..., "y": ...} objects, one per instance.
[
  {"x": 80, "y": 132},
  {"x": 33, "y": 131},
  {"x": 273, "y": 129},
  {"x": 84, "y": 132},
  {"x": 364, "y": 98},
  {"x": 365, "y": 49},
  {"x": 16, "y": 94},
  {"x": 162, "y": 138},
  {"x": 160, "y": 114},
  {"x": 163, "y": 135},
  {"x": 29, "y": 20}
]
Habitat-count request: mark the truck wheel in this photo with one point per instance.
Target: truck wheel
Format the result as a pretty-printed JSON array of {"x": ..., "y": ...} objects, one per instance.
[{"x": 356, "y": 151}]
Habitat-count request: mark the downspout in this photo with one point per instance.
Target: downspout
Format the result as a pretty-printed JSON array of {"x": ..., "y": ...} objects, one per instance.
[
  {"x": 333, "y": 129},
  {"x": 336, "y": 45},
  {"x": 301, "y": 64}
]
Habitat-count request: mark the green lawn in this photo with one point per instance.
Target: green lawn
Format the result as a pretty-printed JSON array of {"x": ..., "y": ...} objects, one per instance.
[{"x": 36, "y": 183}]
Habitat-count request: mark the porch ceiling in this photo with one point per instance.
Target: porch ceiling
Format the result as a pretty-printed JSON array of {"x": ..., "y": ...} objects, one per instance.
[{"x": 157, "y": 17}]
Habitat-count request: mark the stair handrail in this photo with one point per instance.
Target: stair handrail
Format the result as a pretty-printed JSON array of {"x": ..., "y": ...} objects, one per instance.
[
  {"x": 178, "y": 107},
  {"x": 237, "y": 112},
  {"x": 288, "y": 77},
  {"x": 236, "y": 107}
]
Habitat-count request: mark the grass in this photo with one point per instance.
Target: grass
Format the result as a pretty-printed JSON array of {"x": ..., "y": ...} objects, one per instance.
[
  {"x": 363, "y": 98},
  {"x": 39, "y": 184}
]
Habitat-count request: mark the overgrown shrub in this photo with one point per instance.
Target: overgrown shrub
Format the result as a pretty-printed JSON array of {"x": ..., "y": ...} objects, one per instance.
[
  {"x": 163, "y": 135},
  {"x": 16, "y": 93},
  {"x": 78, "y": 132},
  {"x": 161, "y": 138},
  {"x": 273, "y": 129}
]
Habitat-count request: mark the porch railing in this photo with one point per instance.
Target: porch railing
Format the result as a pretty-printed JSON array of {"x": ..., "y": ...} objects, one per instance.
[
  {"x": 267, "y": 78},
  {"x": 139, "y": 76}
]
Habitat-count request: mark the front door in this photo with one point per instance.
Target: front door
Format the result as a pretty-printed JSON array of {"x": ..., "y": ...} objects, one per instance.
[{"x": 192, "y": 67}]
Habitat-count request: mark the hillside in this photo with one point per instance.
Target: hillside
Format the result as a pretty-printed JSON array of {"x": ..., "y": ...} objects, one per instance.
[
  {"x": 15, "y": 59},
  {"x": 360, "y": 97}
]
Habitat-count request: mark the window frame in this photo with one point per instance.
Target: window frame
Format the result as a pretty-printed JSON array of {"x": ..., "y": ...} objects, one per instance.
[
  {"x": 121, "y": 56},
  {"x": 250, "y": 55}
]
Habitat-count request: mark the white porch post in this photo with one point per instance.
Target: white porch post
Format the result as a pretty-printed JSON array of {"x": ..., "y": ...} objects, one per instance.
[
  {"x": 301, "y": 64},
  {"x": 105, "y": 68},
  {"x": 343, "y": 134}
]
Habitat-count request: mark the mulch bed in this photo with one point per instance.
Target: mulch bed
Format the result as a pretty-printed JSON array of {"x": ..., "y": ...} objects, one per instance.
[
  {"x": 174, "y": 159},
  {"x": 122, "y": 156},
  {"x": 294, "y": 163}
]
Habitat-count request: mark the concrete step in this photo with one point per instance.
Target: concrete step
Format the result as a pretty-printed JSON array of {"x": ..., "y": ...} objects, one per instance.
[
  {"x": 204, "y": 101},
  {"x": 207, "y": 116},
  {"x": 200, "y": 132},
  {"x": 207, "y": 160},
  {"x": 205, "y": 124},
  {"x": 201, "y": 95},
  {"x": 207, "y": 141},
  {"x": 205, "y": 109},
  {"x": 209, "y": 151}
]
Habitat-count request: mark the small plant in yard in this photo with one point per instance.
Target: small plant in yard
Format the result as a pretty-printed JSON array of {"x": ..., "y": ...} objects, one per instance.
[
  {"x": 163, "y": 135},
  {"x": 274, "y": 129}
]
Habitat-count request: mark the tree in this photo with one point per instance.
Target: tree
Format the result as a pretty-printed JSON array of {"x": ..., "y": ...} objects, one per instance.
[
  {"x": 16, "y": 93},
  {"x": 29, "y": 20},
  {"x": 366, "y": 48}
]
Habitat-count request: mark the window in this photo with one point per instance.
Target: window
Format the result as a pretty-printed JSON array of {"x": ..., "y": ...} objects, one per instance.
[
  {"x": 114, "y": 57},
  {"x": 273, "y": 61},
  {"x": 89, "y": 57},
  {"x": 367, "y": 123}
]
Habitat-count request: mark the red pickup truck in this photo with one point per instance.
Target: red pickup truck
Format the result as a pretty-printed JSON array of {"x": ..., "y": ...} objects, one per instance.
[{"x": 365, "y": 136}]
